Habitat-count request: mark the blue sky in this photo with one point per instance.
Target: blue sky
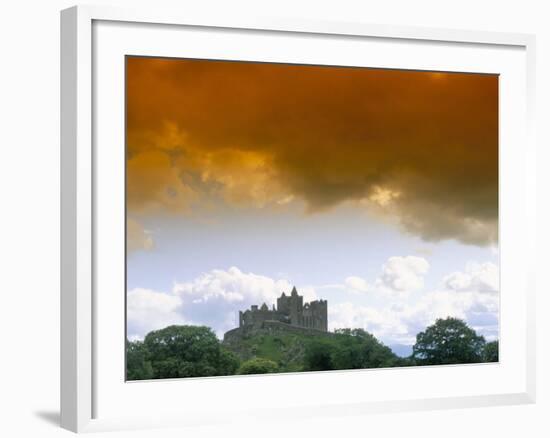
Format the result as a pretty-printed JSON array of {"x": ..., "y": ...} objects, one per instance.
[
  {"x": 307, "y": 249},
  {"x": 338, "y": 255}
]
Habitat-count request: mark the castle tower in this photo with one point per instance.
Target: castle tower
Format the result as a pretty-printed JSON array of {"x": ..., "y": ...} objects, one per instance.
[
  {"x": 283, "y": 304},
  {"x": 323, "y": 315},
  {"x": 296, "y": 305}
]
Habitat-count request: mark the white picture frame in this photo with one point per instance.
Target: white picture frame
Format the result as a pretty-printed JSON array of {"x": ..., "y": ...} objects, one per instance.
[{"x": 86, "y": 375}]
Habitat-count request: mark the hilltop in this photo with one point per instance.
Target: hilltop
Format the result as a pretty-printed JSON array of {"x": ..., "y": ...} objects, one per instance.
[
  {"x": 295, "y": 348},
  {"x": 294, "y": 336}
]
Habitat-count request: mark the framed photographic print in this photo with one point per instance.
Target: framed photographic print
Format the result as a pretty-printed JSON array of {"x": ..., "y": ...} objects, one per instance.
[{"x": 252, "y": 209}]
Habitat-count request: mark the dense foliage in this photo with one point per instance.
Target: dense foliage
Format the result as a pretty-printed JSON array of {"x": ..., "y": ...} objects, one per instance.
[
  {"x": 448, "y": 341},
  {"x": 349, "y": 349},
  {"x": 490, "y": 352},
  {"x": 138, "y": 363},
  {"x": 179, "y": 351},
  {"x": 192, "y": 351},
  {"x": 258, "y": 365}
]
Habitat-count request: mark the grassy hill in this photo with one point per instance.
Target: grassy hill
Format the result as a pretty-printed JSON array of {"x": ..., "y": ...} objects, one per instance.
[
  {"x": 286, "y": 350},
  {"x": 307, "y": 350}
]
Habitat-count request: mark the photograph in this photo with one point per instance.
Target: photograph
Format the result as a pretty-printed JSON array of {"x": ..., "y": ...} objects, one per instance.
[
  {"x": 274, "y": 220},
  {"x": 287, "y": 218}
]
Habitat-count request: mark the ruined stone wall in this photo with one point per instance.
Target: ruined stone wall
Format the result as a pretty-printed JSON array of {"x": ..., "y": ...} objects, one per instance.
[
  {"x": 314, "y": 315},
  {"x": 257, "y": 317},
  {"x": 270, "y": 328},
  {"x": 275, "y": 327}
]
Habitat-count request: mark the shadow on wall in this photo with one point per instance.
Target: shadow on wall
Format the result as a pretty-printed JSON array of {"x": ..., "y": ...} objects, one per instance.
[{"x": 51, "y": 417}]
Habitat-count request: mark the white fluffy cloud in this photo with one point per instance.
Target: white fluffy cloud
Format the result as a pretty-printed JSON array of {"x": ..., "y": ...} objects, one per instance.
[
  {"x": 212, "y": 299},
  {"x": 150, "y": 310},
  {"x": 215, "y": 297},
  {"x": 399, "y": 323},
  {"x": 403, "y": 274},
  {"x": 471, "y": 295},
  {"x": 400, "y": 276},
  {"x": 230, "y": 286},
  {"x": 357, "y": 284},
  {"x": 477, "y": 277},
  {"x": 384, "y": 323}
]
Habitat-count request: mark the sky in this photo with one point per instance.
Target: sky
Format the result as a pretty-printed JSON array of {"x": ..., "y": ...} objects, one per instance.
[{"x": 375, "y": 189}]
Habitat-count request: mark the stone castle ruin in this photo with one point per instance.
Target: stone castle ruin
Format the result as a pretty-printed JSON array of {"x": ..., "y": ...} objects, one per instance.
[{"x": 290, "y": 310}]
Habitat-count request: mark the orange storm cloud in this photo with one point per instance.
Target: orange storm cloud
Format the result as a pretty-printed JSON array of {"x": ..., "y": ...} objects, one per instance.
[{"x": 420, "y": 148}]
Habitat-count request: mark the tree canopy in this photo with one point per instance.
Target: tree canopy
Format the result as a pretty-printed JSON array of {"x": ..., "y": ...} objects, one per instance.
[
  {"x": 348, "y": 349},
  {"x": 448, "y": 341},
  {"x": 258, "y": 365},
  {"x": 138, "y": 363},
  {"x": 490, "y": 352},
  {"x": 180, "y": 351}
]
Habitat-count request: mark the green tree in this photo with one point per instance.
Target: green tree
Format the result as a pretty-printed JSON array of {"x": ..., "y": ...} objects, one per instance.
[
  {"x": 357, "y": 349},
  {"x": 138, "y": 363},
  {"x": 258, "y": 365},
  {"x": 448, "y": 341},
  {"x": 318, "y": 355},
  {"x": 188, "y": 351},
  {"x": 490, "y": 352}
]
